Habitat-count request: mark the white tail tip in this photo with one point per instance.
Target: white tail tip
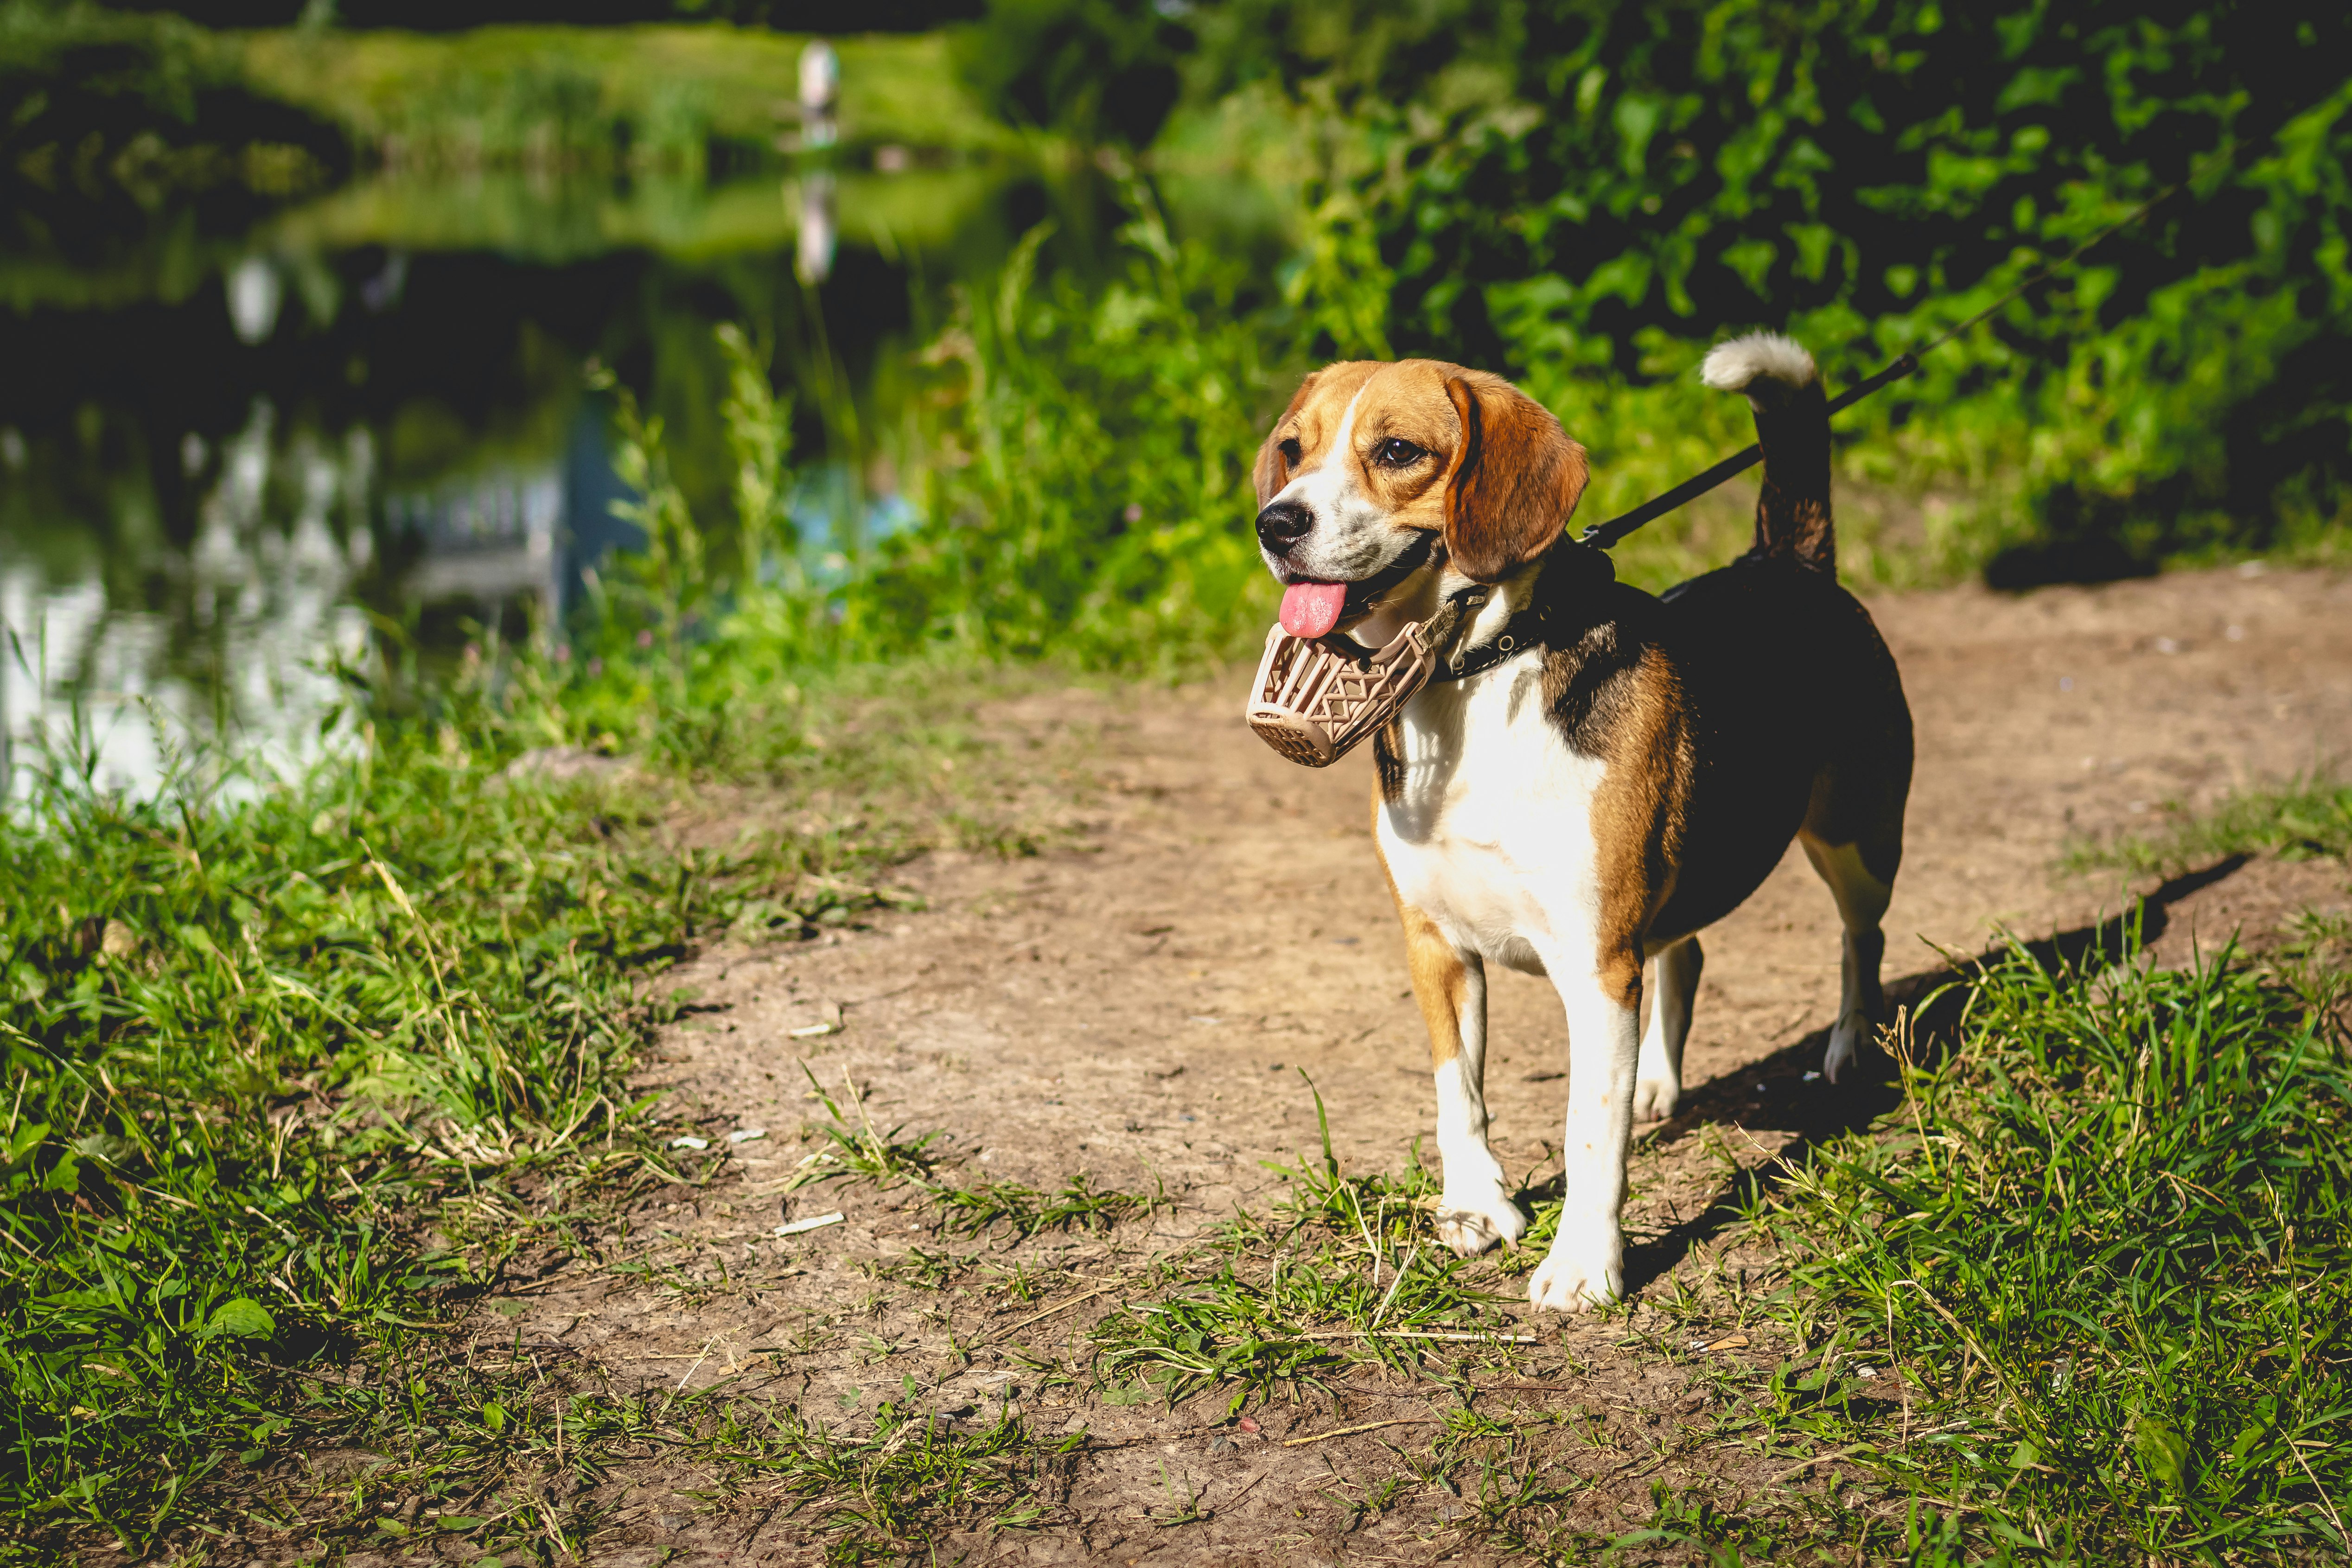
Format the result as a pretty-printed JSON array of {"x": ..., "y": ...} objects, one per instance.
[{"x": 1732, "y": 366}]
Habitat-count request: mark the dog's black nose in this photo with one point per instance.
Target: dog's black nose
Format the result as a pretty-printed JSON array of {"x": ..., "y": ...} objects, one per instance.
[{"x": 1283, "y": 524}]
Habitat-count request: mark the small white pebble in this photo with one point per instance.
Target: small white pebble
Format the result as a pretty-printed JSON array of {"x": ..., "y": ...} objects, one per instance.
[
  {"x": 689, "y": 1141},
  {"x": 1865, "y": 1372},
  {"x": 747, "y": 1136}
]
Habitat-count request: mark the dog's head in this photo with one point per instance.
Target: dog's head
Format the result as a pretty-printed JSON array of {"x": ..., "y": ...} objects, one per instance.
[{"x": 1379, "y": 475}]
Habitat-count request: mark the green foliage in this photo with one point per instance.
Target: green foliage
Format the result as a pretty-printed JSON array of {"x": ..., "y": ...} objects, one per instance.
[
  {"x": 1585, "y": 193},
  {"x": 1094, "y": 69},
  {"x": 1586, "y": 196},
  {"x": 1087, "y": 492},
  {"x": 859, "y": 1150},
  {"x": 2090, "y": 1282},
  {"x": 1080, "y": 486},
  {"x": 916, "y": 1476},
  {"x": 1020, "y": 1212}
]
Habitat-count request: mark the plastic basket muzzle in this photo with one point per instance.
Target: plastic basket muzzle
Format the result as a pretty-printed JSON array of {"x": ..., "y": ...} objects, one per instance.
[{"x": 1315, "y": 705}]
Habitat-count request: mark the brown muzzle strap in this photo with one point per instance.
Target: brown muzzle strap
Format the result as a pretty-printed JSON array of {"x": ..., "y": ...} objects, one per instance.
[{"x": 1317, "y": 702}]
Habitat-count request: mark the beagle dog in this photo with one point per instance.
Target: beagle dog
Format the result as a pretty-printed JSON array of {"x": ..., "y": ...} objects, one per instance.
[{"x": 1595, "y": 775}]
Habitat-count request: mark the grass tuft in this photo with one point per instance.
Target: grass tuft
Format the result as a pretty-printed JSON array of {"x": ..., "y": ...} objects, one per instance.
[
  {"x": 2089, "y": 1286},
  {"x": 2308, "y": 816}
]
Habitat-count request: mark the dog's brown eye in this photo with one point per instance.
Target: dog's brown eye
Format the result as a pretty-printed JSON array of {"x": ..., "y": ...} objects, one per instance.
[
  {"x": 1394, "y": 453},
  {"x": 1291, "y": 452}
]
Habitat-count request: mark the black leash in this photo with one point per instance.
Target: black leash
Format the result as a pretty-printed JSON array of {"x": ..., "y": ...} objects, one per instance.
[{"x": 1602, "y": 535}]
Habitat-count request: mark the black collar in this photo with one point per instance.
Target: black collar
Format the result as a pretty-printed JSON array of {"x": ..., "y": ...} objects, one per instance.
[{"x": 1545, "y": 622}]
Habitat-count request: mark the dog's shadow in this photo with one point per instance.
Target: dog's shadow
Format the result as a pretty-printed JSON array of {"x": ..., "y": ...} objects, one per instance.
[{"x": 1774, "y": 1094}]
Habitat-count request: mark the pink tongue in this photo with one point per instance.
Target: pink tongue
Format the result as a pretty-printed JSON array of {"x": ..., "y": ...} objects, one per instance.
[{"x": 1311, "y": 609}]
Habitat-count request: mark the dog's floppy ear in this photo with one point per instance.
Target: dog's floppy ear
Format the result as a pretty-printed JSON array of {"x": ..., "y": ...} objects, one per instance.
[
  {"x": 1516, "y": 477},
  {"x": 1272, "y": 472}
]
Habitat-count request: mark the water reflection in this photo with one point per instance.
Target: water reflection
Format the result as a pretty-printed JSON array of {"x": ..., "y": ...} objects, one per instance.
[
  {"x": 118, "y": 651},
  {"x": 245, "y": 456}
]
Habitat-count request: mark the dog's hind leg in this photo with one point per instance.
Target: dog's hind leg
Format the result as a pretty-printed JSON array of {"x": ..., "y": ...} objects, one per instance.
[
  {"x": 1862, "y": 894},
  {"x": 1673, "y": 985},
  {"x": 1476, "y": 1210}
]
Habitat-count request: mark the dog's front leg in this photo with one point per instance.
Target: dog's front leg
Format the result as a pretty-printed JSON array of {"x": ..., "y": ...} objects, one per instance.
[
  {"x": 1586, "y": 1266},
  {"x": 1476, "y": 1210}
]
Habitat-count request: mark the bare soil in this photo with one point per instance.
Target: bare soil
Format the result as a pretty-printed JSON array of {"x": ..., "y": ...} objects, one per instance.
[{"x": 1138, "y": 1000}]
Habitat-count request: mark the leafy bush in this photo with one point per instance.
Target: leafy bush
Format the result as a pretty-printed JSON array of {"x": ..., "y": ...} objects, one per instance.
[
  {"x": 1586, "y": 193},
  {"x": 1096, "y": 70}
]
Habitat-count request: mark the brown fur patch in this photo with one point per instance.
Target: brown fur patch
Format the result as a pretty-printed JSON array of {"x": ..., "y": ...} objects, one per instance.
[
  {"x": 1440, "y": 984},
  {"x": 1626, "y": 707},
  {"x": 1388, "y": 765}
]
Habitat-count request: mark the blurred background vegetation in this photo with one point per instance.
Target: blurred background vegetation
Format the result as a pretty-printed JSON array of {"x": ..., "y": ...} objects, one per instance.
[
  {"x": 1027, "y": 299},
  {"x": 361, "y": 345}
]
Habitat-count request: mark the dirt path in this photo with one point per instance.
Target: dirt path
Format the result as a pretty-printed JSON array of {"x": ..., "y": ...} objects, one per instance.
[{"x": 1136, "y": 1007}]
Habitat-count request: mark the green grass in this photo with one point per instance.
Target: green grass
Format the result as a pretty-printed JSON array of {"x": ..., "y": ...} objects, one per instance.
[
  {"x": 1012, "y": 1209},
  {"x": 2308, "y": 816},
  {"x": 254, "y": 1044},
  {"x": 295, "y": 1066},
  {"x": 2097, "y": 1264}
]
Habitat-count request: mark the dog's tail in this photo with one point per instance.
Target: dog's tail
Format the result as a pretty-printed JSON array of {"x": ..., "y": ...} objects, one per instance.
[{"x": 1792, "y": 425}]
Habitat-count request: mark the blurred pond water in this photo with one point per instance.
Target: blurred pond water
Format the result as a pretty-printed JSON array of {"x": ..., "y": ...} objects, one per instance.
[{"x": 231, "y": 460}]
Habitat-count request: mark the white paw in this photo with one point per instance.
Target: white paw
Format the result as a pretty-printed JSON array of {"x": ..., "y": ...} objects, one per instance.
[
  {"x": 1846, "y": 1049},
  {"x": 1578, "y": 1278},
  {"x": 1470, "y": 1224},
  {"x": 1655, "y": 1098}
]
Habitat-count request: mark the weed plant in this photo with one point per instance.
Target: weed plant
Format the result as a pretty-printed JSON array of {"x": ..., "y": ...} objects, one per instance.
[{"x": 2097, "y": 1264}]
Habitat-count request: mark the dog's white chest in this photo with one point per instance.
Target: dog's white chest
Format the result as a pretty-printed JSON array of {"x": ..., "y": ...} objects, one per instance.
[{"x": 1491, "y": 835}]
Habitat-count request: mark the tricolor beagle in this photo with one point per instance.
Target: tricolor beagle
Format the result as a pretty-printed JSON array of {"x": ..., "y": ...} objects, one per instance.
[{"x": 1619, "y": 775}]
